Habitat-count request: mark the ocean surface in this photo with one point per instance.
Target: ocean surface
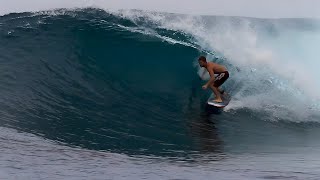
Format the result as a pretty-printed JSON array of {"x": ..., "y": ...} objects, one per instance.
[{"x": 95, "y": 94}]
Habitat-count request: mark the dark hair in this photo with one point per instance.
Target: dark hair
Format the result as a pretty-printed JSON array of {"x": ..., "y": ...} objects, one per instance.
[{"x": 202, "y": 58}]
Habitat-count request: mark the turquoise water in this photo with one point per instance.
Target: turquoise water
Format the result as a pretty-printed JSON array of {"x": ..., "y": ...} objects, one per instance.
[{"x": 93, "y": 94}]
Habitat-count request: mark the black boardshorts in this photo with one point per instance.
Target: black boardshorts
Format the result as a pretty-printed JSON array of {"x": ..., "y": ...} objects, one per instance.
[{"x": 221, "y": 78}]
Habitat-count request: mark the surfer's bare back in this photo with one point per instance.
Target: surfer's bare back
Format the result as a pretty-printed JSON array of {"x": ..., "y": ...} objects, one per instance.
[{"x": 214, "y": 82}]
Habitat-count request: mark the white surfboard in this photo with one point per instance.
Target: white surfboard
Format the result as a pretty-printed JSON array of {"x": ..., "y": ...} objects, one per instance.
[{"x": 225, "y": 101}]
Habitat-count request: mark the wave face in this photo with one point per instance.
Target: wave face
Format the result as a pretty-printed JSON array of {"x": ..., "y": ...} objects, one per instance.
[{"x": 128, "y": 81}]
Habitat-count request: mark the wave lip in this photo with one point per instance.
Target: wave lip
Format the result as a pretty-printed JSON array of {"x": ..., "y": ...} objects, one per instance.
[{"x": 258, "y": 9}]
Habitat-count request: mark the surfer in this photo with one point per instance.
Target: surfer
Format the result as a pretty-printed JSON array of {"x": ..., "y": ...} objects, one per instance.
[{"x": 214, "y": 82}]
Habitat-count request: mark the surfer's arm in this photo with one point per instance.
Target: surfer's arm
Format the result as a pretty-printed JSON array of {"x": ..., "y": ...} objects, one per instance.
[
  {"x": 211, "y": 80},
  {"x": 203, "y": 73}
]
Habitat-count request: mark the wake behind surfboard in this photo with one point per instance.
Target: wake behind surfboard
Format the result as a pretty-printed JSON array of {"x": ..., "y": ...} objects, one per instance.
[{"x": 225, "y": 101}]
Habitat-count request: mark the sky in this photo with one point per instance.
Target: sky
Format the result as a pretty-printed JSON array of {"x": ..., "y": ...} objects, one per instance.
[{"x": 250, "y": 8}]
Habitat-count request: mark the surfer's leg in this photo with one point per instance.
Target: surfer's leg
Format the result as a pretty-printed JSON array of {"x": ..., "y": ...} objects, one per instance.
[
  {"x": 216, "y": 93},
  {"x": 220, "y": 79}
]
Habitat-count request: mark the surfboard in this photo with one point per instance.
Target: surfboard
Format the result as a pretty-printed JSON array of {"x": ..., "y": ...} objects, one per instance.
[{"x": 225, "y": 100}]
